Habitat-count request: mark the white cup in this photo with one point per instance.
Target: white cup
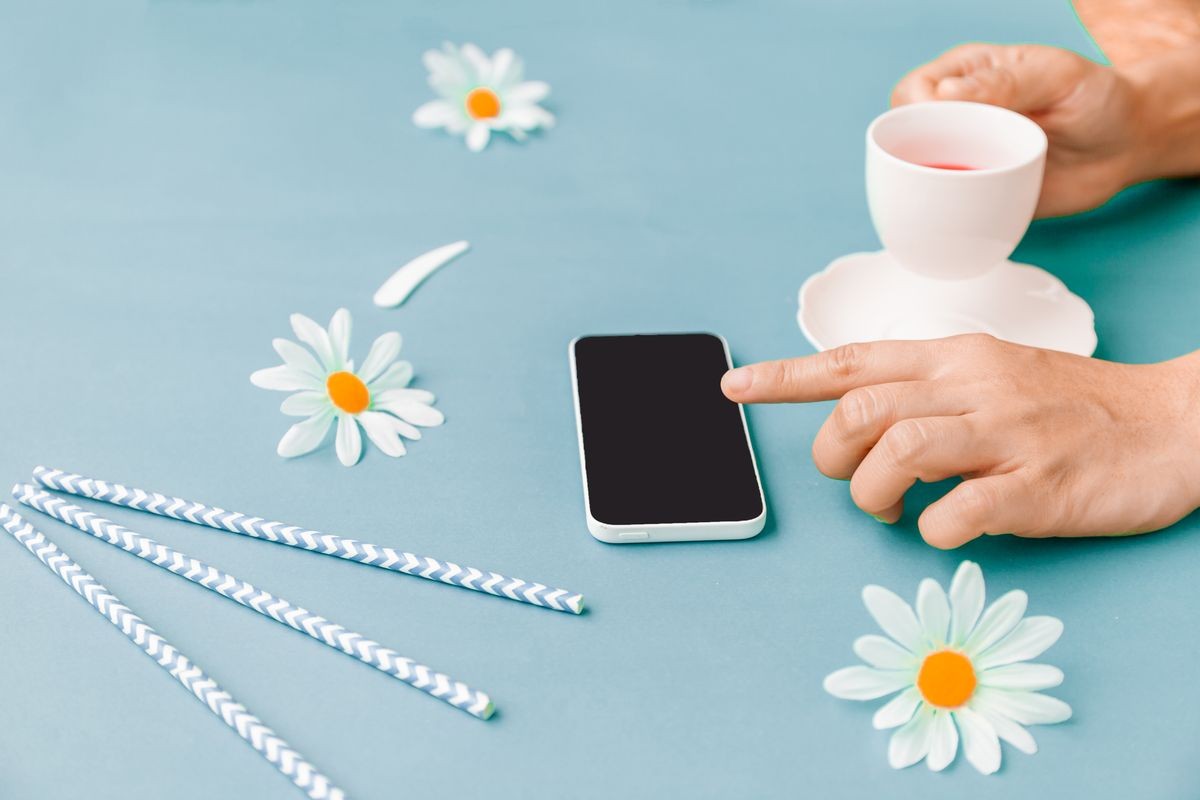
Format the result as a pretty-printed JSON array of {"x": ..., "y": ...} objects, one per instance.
[{"x": 953, "y": 223}]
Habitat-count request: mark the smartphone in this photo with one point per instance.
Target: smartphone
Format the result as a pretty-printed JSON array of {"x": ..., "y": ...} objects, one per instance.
[{"x": 666, "y": 457}]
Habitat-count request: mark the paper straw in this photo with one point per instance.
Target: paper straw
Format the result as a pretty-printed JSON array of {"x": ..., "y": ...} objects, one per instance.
[
  {"x": 441, "y": 686},
  {"x": 268, "y": 743},
  {"x": 325, "y": 543}
]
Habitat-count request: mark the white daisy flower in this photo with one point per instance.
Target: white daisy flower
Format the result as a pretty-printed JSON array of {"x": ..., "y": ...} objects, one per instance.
[
  {"x": 959, "y": 672},
  {"x": 480, "y": 95},
  {"x": 328, "y": 389}
]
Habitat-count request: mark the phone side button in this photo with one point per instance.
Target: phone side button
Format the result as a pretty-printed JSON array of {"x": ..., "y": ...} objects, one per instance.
[{"x": 633, "y": 536}]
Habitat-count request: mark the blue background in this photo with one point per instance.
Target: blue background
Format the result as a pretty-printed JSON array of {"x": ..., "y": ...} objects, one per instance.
[{"x": 176, "y": 178}]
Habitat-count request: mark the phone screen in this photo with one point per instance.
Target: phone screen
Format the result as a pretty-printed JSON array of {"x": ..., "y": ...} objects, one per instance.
[{"x": 661, "y": 443}]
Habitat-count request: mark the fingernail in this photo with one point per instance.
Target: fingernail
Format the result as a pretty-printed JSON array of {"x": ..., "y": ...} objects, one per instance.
[
  {"x": 737, "y": 380},
  {"x": 878, "y": 518}
]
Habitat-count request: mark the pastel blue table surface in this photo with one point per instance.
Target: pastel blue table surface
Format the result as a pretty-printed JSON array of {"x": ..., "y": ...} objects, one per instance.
[{"x": 178, "y": 177}]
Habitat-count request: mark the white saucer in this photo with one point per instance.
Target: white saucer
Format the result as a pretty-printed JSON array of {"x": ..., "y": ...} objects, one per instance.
[{"x": 866, "y": 296}]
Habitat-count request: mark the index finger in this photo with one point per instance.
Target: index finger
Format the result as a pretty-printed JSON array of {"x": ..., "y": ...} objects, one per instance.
[
  {"x": 829, "y": 375},
  {"x": 921, "y": 84}
]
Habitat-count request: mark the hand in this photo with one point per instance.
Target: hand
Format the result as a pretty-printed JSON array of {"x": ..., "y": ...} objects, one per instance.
[
  {"x": 1088, "y": 111},
  {"x": 1050, "y": 444}
]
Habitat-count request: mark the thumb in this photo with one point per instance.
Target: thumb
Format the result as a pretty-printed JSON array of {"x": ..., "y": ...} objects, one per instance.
[{"x": 1022, "y": 79}]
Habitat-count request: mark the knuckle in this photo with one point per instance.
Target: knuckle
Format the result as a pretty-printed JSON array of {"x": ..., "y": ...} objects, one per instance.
[
  {"x": 907, "y": 440},
  {"x": 859, "y": 410},
  {"x": 846, "y": 361},
  {"x": 976, "y": 500}
]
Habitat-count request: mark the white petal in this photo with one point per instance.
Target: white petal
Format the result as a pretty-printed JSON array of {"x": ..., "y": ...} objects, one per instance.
[
  {"x": 436, "y": 114},
  {"x": 317, "y": 338},
  {"x": 966, "y": 600},
  {"x": 445, "y": 67},
  {"x": 339, "y": 334},
  {"x": 933, "y": 609},
  {"x": 283, "y": 379},
  {"x": 1027, "y": 708},
  {"x": 1006, "y": 729},
  {"x": 396, "y": 289},
  {"x": 897, "y": 711},
  {"x": 305, "y": 404},
  {"x": 979, "y": 741},
  {"x": 397, "y": 376},
  {"x": 943, "y": 741},
  {"x": 383, "y": 353},
  {"x": 478, "y": 63},
  {"x": 416, "y": 413},
  {"x": 349, "y": 441},
  {"x": 381, "y": 430},
  {"x": 882, "y": 653},
  {"x": 528, "y": 93},
  {"x": 525, "y": 118},
  {"x": 1027, "y": 677},
  {"x": 1031, "y": 638},
  {"x": 297, "y": 357},
  {"x": 477, "y": 137},
  {"x": 865, "y": 683},
  {"x": 406, "y": 430},
  {"x": 997, "y": 622},
  {"x": 502, "y": 62},
  {"x": 306, "y": 436},
  {"x": 911, "y": 743},
  {"x": 895, "y": 616},
  {"x": 401, "y": 395}
]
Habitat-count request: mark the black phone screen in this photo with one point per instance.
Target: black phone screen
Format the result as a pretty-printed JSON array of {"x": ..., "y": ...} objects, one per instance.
[{"x": 661, "y": 443}]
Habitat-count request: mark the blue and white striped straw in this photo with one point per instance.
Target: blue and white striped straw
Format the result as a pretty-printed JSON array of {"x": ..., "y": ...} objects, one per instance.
[
  {"x": 328, "y": 544},
  {"x": 441, "y": 686},
  {"x": 194, "y": 679}
]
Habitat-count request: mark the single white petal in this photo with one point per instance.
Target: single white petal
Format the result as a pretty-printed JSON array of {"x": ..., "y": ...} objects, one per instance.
[
  {"x": 406, "y": 430},
  {"x": 502, "y": 62},
  {"x": 1031, "y": 638},
  {"x": 943, "y": 741},
  {"x": 317, "y": 338},
  {"x": 436, "y": 114},
  {"x": 401, "y": 395},
  {"x": 383, "y": 352},
  {"x": 445, "y": 67},
  {"x": 894, "y": 616},
  {"x": 397, "y": 376},
  {"x": 882, "y": 653},
  {"x": 305, "y": 404},
  {"x": 381, "y": 430},
  {"x": 283, "y": 379},
  {"x": 526, "y": 118},
  {"x": 897, "y": 711},
  {"x": 415, "y": 413},
  {"x": 911, "y": 743},
  {"x": 396, "y": 289},
  {"x": 349, "y": 441},
  {"x": 997, "y": 622},
  {"x": 966, "y": 600},
  {"x": 980, "y": 743},
  {"x": 933, "y": 609},
  {"x": 865, "y": 683},
  {"x": 306, "y": 436},
  {"x": 477, "y": 137},
  {"x": 297, "y": 357},
  {"x": 1027, "y": 677},
  {"x": 1005, "y": 728},
  {"x": 528, "y": 93},
  {"x": 480, "y": 65},
  {"x": 1027, "y": 708},
  {"x": 339, "y": 335}
]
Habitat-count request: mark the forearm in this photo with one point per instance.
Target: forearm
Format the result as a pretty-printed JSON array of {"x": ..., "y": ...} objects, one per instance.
[{"x": 1167, "y": 88}]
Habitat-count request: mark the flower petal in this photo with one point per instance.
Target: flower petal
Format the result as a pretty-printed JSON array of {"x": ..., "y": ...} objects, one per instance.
[
  {"x": 997, "y": 622},
  {"x": 966, "y": 600},
  {"x": 980, "y": 743},
  {"x": 1006, "y": 729},
  {"x": 882, "y": 653},
  {"x": 477, "y": 136},
  {"x": 403, "y": 395},
  {"x": 943, "y": 741},
  {"x": 1027, "y": 677},
  {"x": 415, "y": 413},
  {"x": 865, "y": 683},
  {"x": 317, "y": 338},
  {"x": 305, "y": 404},
  {"x": 381, "y": 430},
  {"x": 437, "y": 114},
  {"x": 349, "y": 441},
  {"x": 1031, "y": 638},
  {"x": 284, "y": 379},
  {"x": 528, "y": 92},
  {"x": 897, "y": 711},
  {"x": 297, "y": 357},
  {"x": 911, "y": 743},
  {"x": 383, "y": 352},
  {"x": 894, "y": 616},
  {"x": 339, "y": 334},
  {"x": 525, "y": 118},
  {"x": 397, "y": 376},
  {"x": 306, "y": 436},
  {"x": 502, "y": 62},
  {"x": 1027, "y": 708},
  {"x": 480, "y": 66},
  {"x": 933, "y": 609},
  {"x": 406, "y": 430}
]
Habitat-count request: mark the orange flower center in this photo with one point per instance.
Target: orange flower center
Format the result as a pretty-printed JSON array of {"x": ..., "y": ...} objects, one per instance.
[
  {"x": 348, "y": 392},
  {"x": 482, "y": 103},
  {"x": 946, "y": 679}
]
